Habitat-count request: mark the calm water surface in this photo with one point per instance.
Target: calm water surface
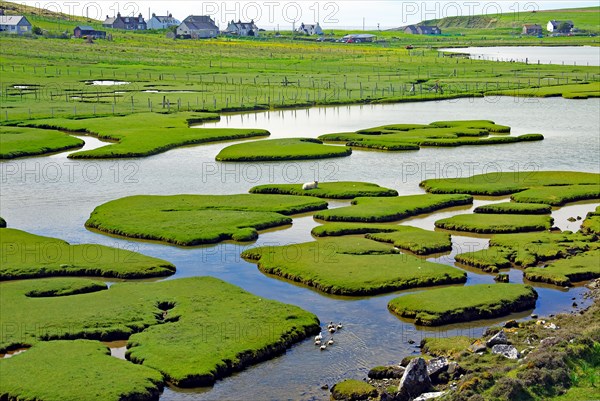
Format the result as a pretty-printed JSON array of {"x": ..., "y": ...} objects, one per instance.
[
  {"x": 564, "y": 55},
  {"x": 54, "y": 196}
]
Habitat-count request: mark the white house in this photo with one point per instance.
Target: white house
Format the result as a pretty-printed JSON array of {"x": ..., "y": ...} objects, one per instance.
[
  {"x": 162, "y": 22},
  {"x": 554, "y": 26},
  {"x": 16, "y": 24},
  {"x": 307, "y": 29},
  {"x": 242, "y": 28}
]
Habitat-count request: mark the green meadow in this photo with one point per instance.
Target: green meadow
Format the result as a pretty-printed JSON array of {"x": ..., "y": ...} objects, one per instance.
[
  {"x": 26, "y": 255},
  {"x": 144, "y": 134},
  {"x": 413, "y": 239},
  {"x": 20, "y": 142},
  {"x": 281, "y": 149},
  {"x": 462, "y": 304},
  {"x": 328, "y": 190},
  {"x": 174, "y": 327},
  {"x": 351, "y": 266},
  {"x": 372, "y": 210},
  {"x": 237, "y": 74},
  {"x": 76, "y": 370},
  {"x": 495, "y": 223},
  {"x": 198, "y": 219},
  {"x": 563, "y": 184}
]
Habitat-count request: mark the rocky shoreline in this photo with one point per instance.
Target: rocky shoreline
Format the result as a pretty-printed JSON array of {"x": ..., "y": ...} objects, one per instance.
[{"x": 528, "y": 360}]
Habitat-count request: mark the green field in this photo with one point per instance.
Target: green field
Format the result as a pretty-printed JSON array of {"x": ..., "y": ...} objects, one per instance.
[
  {"x": 20, "y": 142},
  {"x": 414, "y": 239},
  {"x": 257, "y": 74},
  {"x": 441, "y": 133},
  {"x": 144, "y": 134},
  {"x": 26, "y": 255},
  {"x": 174, "y": 326},
  {"x": 495, "y": 223},
  {"x": 371, "y": 210},
  {"x": 76, "y": 370},
  {"x": 463, "y": 304},
  {"x": 281, "y": 149},
  {"x": 351, "y": 266},
  {"x": 513, "y": 208},
  {"x": 328, "y": 190},
  {"x": 198, "y": 219}
]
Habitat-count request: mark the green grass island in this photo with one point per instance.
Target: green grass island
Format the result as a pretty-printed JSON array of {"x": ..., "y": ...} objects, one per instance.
[
  {"x": 495, "y": 223},
  {"x": 513, "y": 208},
  {"x": 143, "y": 134},
  {"x": 564, "y": 272},
  {"x": 413, "y": 239},
  {"x": 327, "y": 190},
  {"x": 55, "y": 257},
  {"x": 398, "y": 137},
  {"x": 528, "y": 250},
  {"x": 281, "y": 149},
  {"x": 547, "y": 187},
  {"x": 351, "y": 266},
  {"x": 173, "y": 327},
  {"x": 441, "y": 306},
  {"x": 189, "y": 220},
  {"x": 377, "y": 210},
  {"x": 351, "y": 389}
]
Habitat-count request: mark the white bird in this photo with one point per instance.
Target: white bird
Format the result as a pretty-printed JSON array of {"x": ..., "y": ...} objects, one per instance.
[
  {"x": 332, "y": 329},
  {"x": 317, "y": 342},
  {"x": 319, "y": 337},
  {"x": 330, "y": 342},
  {"x": 339, "y": 326},
  {"x": 323, "y": 347}
]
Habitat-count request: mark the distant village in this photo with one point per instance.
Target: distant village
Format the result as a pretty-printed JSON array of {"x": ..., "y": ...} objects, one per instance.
[{"x": 204, "y": 27}]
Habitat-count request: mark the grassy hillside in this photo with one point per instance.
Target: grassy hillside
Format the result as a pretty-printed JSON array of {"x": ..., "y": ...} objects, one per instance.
[
  {"x": 48, "y": 18},
  {"x": 585, "y": 19}
]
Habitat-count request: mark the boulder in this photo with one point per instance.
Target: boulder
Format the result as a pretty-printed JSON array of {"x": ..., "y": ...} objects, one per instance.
[
  {"x": 507, "y": 351},
  {"x": 437, "y": 366},
  {"x": 415, "y": 381},
  {"x": 477, "y": 346},
  {"x": 455, "y": 370},
  {"x": 511, "y": 324},
  {"x": 429, "y": 396},
  {"x": 498, "y": 338}
]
